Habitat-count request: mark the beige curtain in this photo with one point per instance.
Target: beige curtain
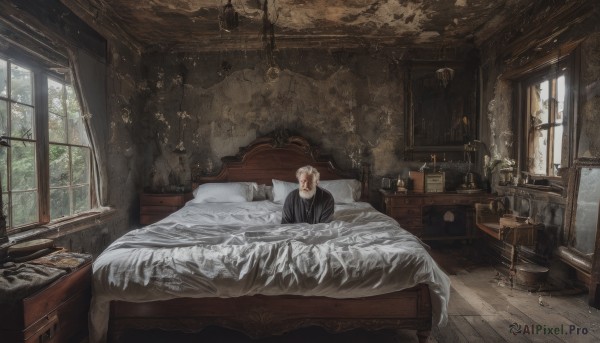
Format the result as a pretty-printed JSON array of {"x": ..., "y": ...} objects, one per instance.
[{"x": 89, "y": 82}]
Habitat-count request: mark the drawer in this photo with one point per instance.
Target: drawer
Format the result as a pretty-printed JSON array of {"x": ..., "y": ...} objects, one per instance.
[
  {"x": 411, "y": 222},
  {"x": 405, "y": 212},
  {"x": 404, "y": 201},
  {"x": 162, "y": 200},
  {"x": 146, "y": 219},
  {"x": 146, "y": 209},
  {"x": 43, "y": 331},
  {"x": 48, "y": 299},
  {"x": 67, "y": 324},
  {"x": 449, "y": 200}
]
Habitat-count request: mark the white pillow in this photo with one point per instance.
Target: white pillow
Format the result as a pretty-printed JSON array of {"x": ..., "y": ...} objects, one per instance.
[
  {"x": 224, "y": 192},
  {"x": 281, "y": 189},
  {"x": 343, "y": 191}
]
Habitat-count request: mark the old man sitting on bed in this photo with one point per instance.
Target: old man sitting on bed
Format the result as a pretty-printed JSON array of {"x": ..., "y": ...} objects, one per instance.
[{"x": 309, "y": 203}]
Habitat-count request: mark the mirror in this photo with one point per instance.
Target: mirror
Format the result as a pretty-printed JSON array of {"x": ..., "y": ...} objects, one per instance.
[
  {"x": 441, "y": 107},
  {"x": 582, "y": 250},
  {"x": 584, "y": 202}
]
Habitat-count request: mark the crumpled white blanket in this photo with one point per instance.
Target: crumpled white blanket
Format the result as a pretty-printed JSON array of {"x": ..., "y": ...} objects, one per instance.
[{"x": 238, "y": 249}]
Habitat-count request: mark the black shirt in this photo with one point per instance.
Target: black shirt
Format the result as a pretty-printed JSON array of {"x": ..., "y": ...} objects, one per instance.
[{"x": 318, "y": 209}]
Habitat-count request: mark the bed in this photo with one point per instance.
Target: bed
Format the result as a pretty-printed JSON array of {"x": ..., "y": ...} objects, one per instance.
[{"x": 231, "y": 264}]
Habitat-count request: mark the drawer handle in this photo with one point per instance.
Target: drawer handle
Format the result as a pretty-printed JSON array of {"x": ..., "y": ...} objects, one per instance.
[{"x": 49, "y": 334}]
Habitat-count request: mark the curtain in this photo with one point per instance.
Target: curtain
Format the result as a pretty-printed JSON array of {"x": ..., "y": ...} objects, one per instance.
[{"x": 89, "y": 82}]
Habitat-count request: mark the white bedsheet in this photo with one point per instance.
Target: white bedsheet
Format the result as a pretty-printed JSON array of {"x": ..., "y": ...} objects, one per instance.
[{"x": 237, "y": 249}]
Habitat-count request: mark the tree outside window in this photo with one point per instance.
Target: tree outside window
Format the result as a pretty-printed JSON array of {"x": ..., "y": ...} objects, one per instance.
[
  {"x": 44, "y": 178},
  {"x": 69, "y": 153}
]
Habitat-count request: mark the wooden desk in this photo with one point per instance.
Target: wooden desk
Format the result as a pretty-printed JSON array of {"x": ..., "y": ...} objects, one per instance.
[{"x": 410, "y": 210}]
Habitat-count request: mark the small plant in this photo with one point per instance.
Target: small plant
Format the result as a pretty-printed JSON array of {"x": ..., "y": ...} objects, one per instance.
[{"x": 498, "y": 163}]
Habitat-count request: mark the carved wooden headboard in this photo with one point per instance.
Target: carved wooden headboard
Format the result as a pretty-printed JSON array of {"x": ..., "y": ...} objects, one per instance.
[{"x": 278, "y": 156}]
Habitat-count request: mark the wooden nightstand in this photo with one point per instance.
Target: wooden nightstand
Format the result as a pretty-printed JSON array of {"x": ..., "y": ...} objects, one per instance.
[
  {"x": 55, "y": 312},
  {"x": 154, "y": 206}
]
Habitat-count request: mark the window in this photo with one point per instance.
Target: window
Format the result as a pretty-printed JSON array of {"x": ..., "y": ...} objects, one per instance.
[
  {"x": 69, "y": 153},
  {"x": 545, "y": 125},
  {"x": 46, "y": 172},
  {"x": 544, "y": 111}
]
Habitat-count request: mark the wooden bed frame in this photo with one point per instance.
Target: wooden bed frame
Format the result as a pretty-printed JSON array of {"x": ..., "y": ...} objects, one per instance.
[{"x": 278, "y": 156}]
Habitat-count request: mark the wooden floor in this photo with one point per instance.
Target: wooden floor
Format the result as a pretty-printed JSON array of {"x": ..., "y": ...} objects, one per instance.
[{"x": 483, "y": 308}]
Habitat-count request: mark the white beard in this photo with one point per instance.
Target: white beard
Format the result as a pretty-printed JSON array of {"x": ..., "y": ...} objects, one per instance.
[{"x": 308, "y": 194}]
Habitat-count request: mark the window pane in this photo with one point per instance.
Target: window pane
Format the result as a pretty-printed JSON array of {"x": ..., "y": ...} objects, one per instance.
[
  {"x": 6, "y": 206},
  {"x": 59, "y": 165},
  {"x": 4, "y": 183},
  {"x": 81, "y": 199},
  {"x": 56, "y": 128},
  {"x": 538, "y": 155},
  {"x": 560, "y": 98},
  {"x": 56, "y": 94},
  {"x": 539, "y": 103},
  {"x": 80, "y": 167},
  {"x": 21, "y": 86},
  {"x": 3, "y": 78},
  {"x": 22, "y": 122},
  {"x": 59, "y": 203},
  {"x": 558, "y": 137},
  {"x": 24, "y": 208},
  {"x": 72, "y": 103},
  {"x": 3, "y": 118},
  {"x": 23, "y": 172},
  {"x": 3, "y": 169},
  {"x": 77, "y": 133}
]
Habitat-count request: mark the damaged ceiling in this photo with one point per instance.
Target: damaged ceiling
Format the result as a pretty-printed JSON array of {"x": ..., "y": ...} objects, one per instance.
[{"x": 193, "y": 25}]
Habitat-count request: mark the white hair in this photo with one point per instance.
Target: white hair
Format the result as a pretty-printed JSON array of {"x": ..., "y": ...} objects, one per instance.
[{"x": 308, "y": 170}]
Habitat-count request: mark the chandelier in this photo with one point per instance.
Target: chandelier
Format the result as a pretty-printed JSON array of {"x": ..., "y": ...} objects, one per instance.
[
  {"x": 228, "y": 18},
  {"x": 444, "y": 75},
  {"x": 268, "y": 38}
]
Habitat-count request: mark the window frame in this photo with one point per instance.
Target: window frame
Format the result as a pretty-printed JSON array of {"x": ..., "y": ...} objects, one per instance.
[
  {"x": 41, "y": 74},
  {"x": 562, "y": 61},
  {"x": 551, "y": 76},
  {"x": 71, "y": 146}
]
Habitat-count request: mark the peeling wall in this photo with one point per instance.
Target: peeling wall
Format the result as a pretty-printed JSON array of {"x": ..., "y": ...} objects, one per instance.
[
  {"x": 123, "y": 105},
  {"x": 351, "y": 103},
  {"x": 589, "y": 141},
  {"x": 508, "y": 52},
  {"x": 198, "y": 108},
  {"x": 120, "y": 151}
]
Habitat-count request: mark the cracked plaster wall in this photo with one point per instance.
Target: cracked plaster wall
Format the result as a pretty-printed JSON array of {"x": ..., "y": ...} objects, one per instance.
[
  {"x": 351, "y": 103},
  {"x": 122, "y": 151},
  {"x": 589, "y": 141},
  {"x": 498, "y": 130}
]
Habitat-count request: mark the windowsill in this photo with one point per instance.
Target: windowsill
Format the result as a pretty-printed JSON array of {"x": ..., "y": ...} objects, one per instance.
[
  {"x": 535, "y": 191},
  {"x": 61, "y": 228},
  {"x": 543, "y": 188}
]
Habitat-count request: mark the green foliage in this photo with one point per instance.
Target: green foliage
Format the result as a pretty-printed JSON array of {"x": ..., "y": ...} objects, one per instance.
[{"x": 69, "y": 156}]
